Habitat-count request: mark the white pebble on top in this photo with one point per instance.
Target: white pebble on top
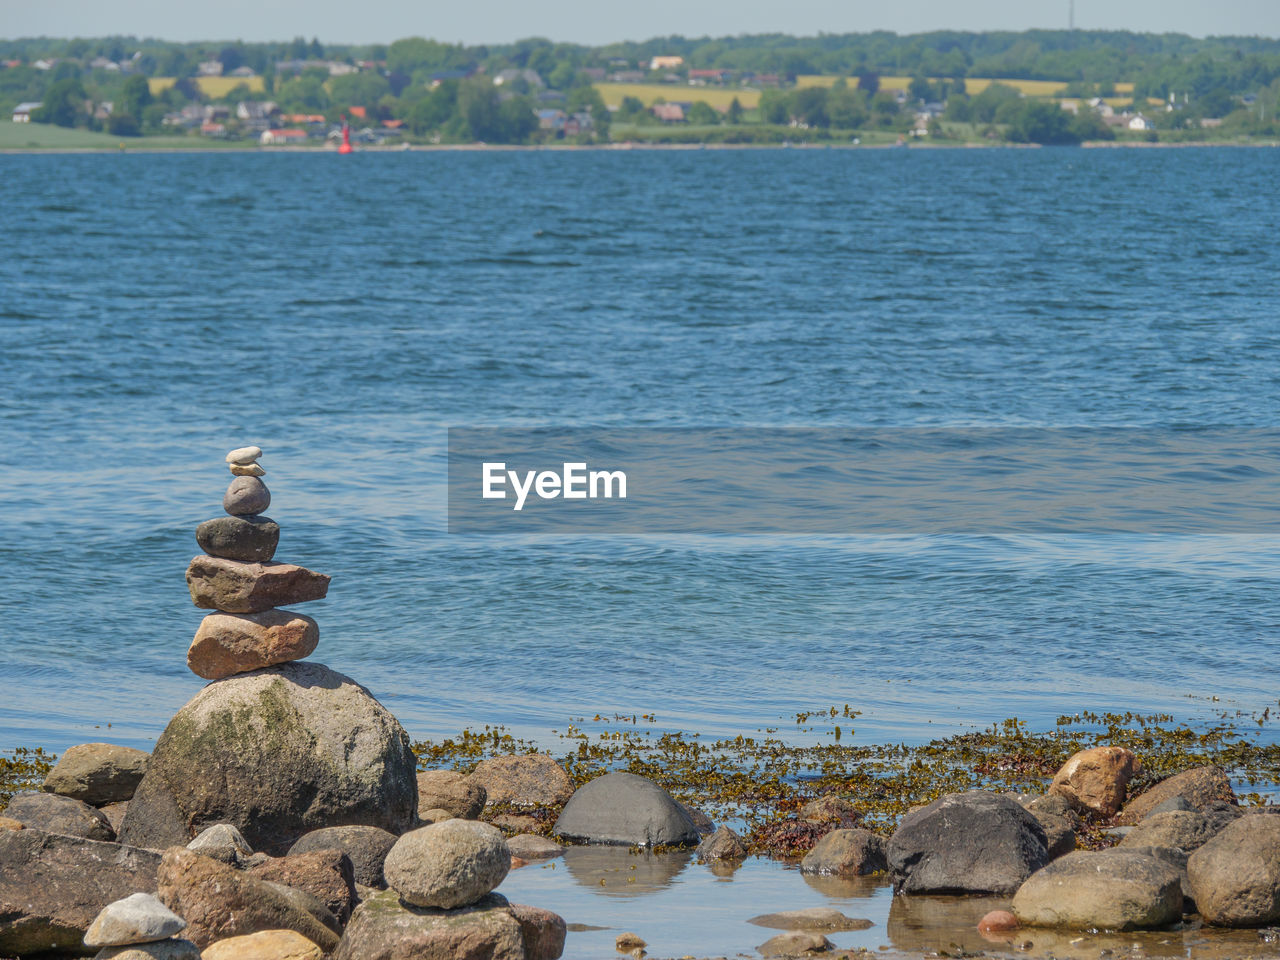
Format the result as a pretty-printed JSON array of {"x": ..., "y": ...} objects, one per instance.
[{"x": 244, "y": 455}]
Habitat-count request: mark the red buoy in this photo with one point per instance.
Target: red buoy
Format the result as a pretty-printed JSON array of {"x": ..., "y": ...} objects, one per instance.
[{"x": 346, "y": 137}]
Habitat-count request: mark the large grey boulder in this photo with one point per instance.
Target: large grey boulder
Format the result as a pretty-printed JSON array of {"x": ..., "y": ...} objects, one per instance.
[
  {"x": 623, "y": 808},
  {"x": 1106, "y": 889},
  {"x": 975, "y": 842},
  {"x": 56, "y": 814},
  {"x": 385, "y": 928},
  {"x": 367, "y": 847},
  {"x": 276, "y": 753},
  {"x": 53, "y": 886},
  {"x": 448, "y": 864},
  {"x": 97, "y": 773},
  {"x": 1235, "y": 877}
]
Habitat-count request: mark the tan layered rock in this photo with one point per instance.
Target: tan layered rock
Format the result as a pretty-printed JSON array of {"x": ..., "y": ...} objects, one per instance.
[
  {"x": 229, "y": 643},
  {"x": 97, "y": 773},
  {"x": 451, "y": 791},
  {"x": 264, "y": 945},
  {"x": 236, "y": 587},
  {"x": 1097, "y": 779},
  {"x": 528, "y": 780}
]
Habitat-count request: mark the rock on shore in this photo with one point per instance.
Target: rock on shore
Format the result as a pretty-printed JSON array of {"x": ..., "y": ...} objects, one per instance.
[
  {"x": 1111, "y": 889},
  {"x": 622, "y": 808},
  {"x": 1235, "y": 877},
  {"x": 97, "y": 773},
  {"x": 295, "y": 748}
]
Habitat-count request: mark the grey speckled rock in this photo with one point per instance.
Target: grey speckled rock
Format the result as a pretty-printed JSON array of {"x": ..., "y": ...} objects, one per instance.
[
  {"x": 1106, "y": 889},
  {"x": 97, "y": 773},
  {"x": 51, "y": 887},
  {"x": 246, "y": 496},
  {"x": 367, "y": 848},
  {"x": 622, "y": 808},
  {"x": 160, "y": 950},
  {"x": 532, "y": 846},
  {"x": 974, "y": 842},
  {"x": 448, "y": 864},
  {"x": 247, "y": 539},
  {"x": 1185, "y": 829},
  {"x": 276, "y": 753},
  {"x": 384, "y": 928},
  {"x": 223, "y": 842},
  {"x": 1235, "y": 877},
  {"x": 138, "y": 918},
  {"x": 56, "y": 814}
]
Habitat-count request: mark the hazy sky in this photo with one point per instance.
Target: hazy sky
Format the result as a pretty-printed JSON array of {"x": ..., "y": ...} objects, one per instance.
[{"x": 601, "y": 21}]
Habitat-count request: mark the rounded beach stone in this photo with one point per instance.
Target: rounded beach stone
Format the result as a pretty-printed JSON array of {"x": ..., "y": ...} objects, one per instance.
[
  {"x": 264, "y": 945},
  {"x": 452, "y": 791},
  {"x": 623, "y": 808},
  {"x": 1111, "y": 889},
  {"x": 997, "y": 921},
  {"x": 244, "y": 455},
  {"x": 247, "y": 539},
  {"x": 724, "y": 844},
  {"x": 63, "y": 815},
  {"x": 846, "y": 853},
  {"x": 139, "y": 918},
  {"x": 276, "y": 753},
  {"x": 367, "y": 847},
  {"x": 157, "y": 950},
  {"x": 1235, "y": 877},
  {"x": 246, "y": 496},
  {"x": 229, "y": 643},
  {"x": 1198, "y": 787},
  {"x": 449, "y": 864},
  {"x": 1096, "y": 779},
  {"x": 247, "y": 470},
  {"x": 97, "y": 773}
]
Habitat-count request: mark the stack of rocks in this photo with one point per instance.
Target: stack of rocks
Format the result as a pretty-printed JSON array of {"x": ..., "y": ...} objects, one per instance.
[{"x": 237, "y": 579}]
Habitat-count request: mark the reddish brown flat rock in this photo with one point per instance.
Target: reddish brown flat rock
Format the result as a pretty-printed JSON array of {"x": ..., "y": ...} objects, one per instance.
[{"x": 231, "y": 643}]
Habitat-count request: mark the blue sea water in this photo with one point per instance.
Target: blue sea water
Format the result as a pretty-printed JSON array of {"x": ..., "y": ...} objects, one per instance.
[{"x": 343, "y": 313}]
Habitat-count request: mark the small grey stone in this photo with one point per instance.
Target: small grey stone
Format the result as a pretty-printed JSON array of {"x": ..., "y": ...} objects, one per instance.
[
  {"x": 1172, "y": 805},
  {"x": 246, "y": 496},
  {"x": 244, "y": 455},
  {"x": 247, "y": 539},
  {"x": 724, "y": 844},
  {"x": 223, "y": 842},
  {"x": 159, "y": 950},
  {"x": 531, "y": 846},
  {"x": 140, "y": 918},
  {"x": 793, "y": 943}
]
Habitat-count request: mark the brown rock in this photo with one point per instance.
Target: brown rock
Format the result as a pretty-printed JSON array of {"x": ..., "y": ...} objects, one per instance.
[
  {"x": 811, "y": 918},
  {"x": 264, "y": 945},
  {"x": 452, "y": 791},
  {"x": 384, "y": 928},
  {"x": 1199, "y": 787},
  {"x": 846, "y": 853},
  {"x": 57, "y": 814},
  {"x": 325, "y": 874},
  {"x": 8, "y": 823},
  {"x": 514, "y": 822},
  {"x": 1096, "y": 779},
  {"x": 542, "y": 930},
  {"x": 531, "y": 846},
  {"x": 52, "y": 887},
  {"x": 626, "y": 942},
  {"x": 229, "y": 643},
  {"x": 1235, "y": 876},
  {"x": 367, "y": 848},
  {"x": 235, "y": 587},
  {"x": 218, "y": 902},
  {"x": 97, "y": 773},
  {"x": 528, "y": 780},
  {"x": 830, "y": 809},
  {"x": 1187, "y": 830},
  {"x": 114, "y": 812},
  {"x": 156, "y": 950},
  {"x": 724, "y": 844}
]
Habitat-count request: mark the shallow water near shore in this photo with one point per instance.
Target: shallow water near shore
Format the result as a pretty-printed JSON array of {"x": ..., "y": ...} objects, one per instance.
[
  {"x": 342, "y": 313},
  {"x": 680, "y": 907}
]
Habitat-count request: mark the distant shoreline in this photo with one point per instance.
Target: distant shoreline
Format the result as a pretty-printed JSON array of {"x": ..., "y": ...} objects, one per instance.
[{"x": 628, "y": 146}]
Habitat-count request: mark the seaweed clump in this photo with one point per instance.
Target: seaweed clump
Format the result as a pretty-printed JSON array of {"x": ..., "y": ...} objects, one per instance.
[{"x": 23, "y": 769}]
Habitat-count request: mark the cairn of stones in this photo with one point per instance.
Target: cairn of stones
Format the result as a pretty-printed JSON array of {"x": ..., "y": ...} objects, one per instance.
[{"x": 238, "y": 580}]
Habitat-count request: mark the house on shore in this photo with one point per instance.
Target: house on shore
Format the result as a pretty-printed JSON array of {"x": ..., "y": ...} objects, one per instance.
[
  {"x": 22, "y": 112},
  {"x": 275, "y": 138}
]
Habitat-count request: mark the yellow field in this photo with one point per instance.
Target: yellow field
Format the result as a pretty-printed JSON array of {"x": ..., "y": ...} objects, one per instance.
[
  {"x": 973, "y": 85},
  {"x": 215, "y": 87},
  {"x": 648, "y": 93}
]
